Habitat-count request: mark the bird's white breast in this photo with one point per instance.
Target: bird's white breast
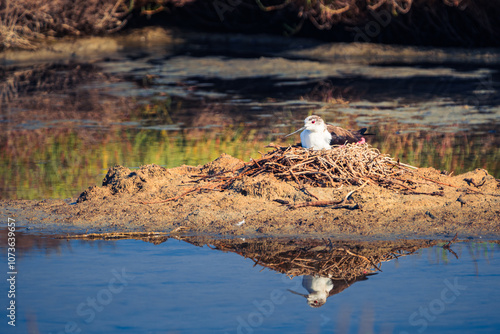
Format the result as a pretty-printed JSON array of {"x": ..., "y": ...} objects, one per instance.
[
  {"x": 318, "y": 288},
  {"x": 316, "y": 140},
  {"x": 317, "y": 284}
]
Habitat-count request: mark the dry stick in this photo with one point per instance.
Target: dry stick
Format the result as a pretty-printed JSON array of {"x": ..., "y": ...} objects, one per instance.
[
  {"x": 397, "y": 163},
  {"x": 260, "y": 171},
  {"x": 442, "y": 183},
  {"x": 315, "y": 203},
  {"x": 308, "y": 167},
  {"x": 113, "y": 235},
  {"x": 447, "y": 246},
  {"x": 275, "y": 163},
  {"x": 410, "y": 180},
  {"x": 295, "y": 178},
  {"x": 399, "y": 184},
  {"x": 434, "y": 193},
  {"x": 234, "y": 178},
  {"x": 303, "y": 163},
  {"x": 255, "y": 161},
  {"x": 323, "y": 203},
  {"x": 309, "y": 193},
  {"x": 303, "y": 266},
  {"x": 374, "y": 159}
]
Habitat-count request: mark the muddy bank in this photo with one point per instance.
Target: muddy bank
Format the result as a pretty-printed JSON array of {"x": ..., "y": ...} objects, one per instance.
[{"x": 435, "y": 204}]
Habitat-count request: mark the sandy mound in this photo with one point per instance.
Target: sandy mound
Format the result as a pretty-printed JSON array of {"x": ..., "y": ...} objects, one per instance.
[{"x": 229, "y": 196}]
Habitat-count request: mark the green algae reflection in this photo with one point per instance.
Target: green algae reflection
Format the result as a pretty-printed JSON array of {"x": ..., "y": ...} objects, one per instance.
[{"x": 60, "y": 163}]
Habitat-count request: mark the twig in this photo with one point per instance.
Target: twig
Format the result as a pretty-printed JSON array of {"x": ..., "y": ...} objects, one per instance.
[
  {"x": 447, "y": 246},
  {"x": 451, "y": 241},
  {"x": 325, "y": 203},
  {"x": 438, "y": 182},
  {"x": 434, "y": 193},
  {"x": 360, "y": 256},
  {"x": 309, "y": 193}
]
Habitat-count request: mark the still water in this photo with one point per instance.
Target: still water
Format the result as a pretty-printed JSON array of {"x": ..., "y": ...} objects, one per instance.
[
  {"x": 132, "y": 286},
  {"x": 64, "y": 123}
]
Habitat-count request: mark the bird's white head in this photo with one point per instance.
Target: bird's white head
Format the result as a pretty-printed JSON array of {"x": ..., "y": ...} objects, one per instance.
[{"x": 314, "y": 123}]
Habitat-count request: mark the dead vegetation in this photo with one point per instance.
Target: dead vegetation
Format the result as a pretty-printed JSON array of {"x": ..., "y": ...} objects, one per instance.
[
  {"x": 24, "y": 23},
  {"x": 419, "y": 19}
]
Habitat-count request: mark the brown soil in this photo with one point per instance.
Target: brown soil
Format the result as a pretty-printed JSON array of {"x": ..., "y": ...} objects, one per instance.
[{"x": 467, "y": 204}]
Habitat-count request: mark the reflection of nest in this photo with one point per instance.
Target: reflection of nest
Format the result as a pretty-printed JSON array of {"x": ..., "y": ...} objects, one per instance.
[
  {"x": 317, "y": 258},
  {"x": 342, "y": 260}
]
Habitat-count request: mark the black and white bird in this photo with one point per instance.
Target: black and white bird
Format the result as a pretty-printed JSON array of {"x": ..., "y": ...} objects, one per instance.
[{"x": 318, "y": 135}]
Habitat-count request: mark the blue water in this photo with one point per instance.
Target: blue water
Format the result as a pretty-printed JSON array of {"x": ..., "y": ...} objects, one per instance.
[{"x": 131, "y": 286}]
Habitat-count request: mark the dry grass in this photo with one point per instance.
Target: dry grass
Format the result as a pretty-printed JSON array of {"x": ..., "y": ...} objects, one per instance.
[
  {"x": 12, "y": 31},
  {"x": 24, "y": 23},
  {"x": 326, "y": 13}
]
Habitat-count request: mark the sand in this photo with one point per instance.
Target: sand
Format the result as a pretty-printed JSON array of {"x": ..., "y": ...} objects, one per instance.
[{"x": 467, "y": 204}]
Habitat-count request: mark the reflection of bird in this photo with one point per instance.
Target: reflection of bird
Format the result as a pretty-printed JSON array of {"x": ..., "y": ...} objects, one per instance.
[
  {"x": 318, "y": 135},
  {"x": 320, "y": 288}
]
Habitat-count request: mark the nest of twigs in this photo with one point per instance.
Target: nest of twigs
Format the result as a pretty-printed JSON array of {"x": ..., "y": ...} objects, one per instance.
[{"x": 350, "y": 164}]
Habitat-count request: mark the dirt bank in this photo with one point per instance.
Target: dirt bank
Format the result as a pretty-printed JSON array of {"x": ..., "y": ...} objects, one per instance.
[{"x": 426, "y": 203}]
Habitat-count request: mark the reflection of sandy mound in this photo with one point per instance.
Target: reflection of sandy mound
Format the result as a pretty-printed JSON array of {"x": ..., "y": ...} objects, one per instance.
[
  {"x": 27, "y": 242},
  {"x": 326, "y": 258},
  {"x": 336, "y": 259}
]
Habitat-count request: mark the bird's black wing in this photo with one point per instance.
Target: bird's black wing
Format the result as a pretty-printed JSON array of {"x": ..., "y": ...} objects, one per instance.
[{"x": 340, "y": 136}]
